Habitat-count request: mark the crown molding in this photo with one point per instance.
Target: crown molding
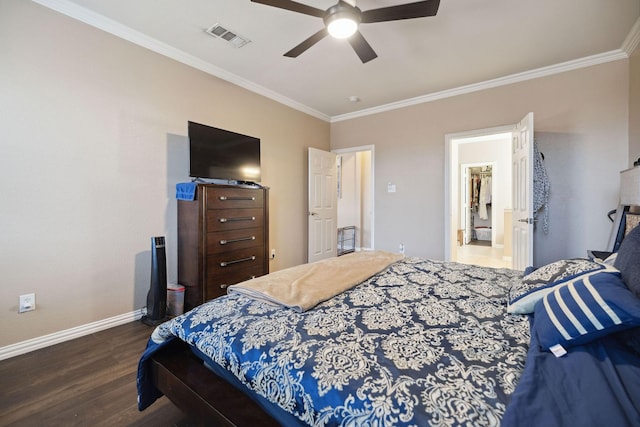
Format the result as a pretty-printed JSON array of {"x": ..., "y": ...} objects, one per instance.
[
  {"x": 632, "y": 41},
  {"x": 117, "y": 29},
  {"x": 589, "y": 61}
]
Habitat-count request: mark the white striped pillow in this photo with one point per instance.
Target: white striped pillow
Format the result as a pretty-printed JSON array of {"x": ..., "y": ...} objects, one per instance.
[
  {"x": 525, "y": 293},
  {"x": 583, "y": 310}
]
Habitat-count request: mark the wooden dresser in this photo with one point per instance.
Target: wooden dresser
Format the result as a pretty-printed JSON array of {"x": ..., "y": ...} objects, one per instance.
[{"x": 222, "y": 240}]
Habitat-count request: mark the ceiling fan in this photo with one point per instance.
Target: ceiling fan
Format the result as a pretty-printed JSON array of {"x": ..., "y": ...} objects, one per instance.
[{"x": 342, "y": 19}]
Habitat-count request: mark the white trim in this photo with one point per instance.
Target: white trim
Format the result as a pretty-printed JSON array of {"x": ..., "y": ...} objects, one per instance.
[
  {"x": 67, "y": 334},
  {"x": 451, "y": 146},
  {"x": 589, "y": 61},
  {"x": 354, "y": 149},
  {"x": 633, "y": 39},
  {"x": 117, "y": 29}
]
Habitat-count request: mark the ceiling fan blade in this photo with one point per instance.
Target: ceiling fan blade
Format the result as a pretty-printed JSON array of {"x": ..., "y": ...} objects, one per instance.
[
  {"x": 293, "y": 53},
  {"x": 419, "y": 9},
  {"x": 362, "y": 47},
  {"x": 292, "y": 6}
]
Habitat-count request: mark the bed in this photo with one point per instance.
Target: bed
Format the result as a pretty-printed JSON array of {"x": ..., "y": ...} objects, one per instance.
[{"x": 419, "y": 343}]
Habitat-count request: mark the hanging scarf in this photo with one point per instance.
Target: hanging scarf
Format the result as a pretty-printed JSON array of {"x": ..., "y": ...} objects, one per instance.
[{"x": 541, "y": 188}]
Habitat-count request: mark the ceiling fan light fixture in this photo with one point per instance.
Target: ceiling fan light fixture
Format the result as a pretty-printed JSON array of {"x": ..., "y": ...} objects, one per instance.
[
  {"x": 342, "y": 20},
  {"x": 342, "y": 27}
]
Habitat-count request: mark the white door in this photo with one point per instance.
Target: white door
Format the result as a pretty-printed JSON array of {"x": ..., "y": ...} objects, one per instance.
[
  {"x": 323, "y": 201},
  {"x": 522, "y": 225}
]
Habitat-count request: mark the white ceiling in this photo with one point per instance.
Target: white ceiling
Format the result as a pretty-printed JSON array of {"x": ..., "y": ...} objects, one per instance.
[{"x": 468, "y": 45}]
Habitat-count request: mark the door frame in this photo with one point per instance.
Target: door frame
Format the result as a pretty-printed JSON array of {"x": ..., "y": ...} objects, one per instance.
[
  {"x": 370, "y": 148},
  {"x": 465, "y": 169},
  {"x": 452, "y": 179}
]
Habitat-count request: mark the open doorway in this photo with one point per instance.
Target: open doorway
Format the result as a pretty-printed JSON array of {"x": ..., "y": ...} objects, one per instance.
[
  {"x": 355, "y": 198},
  {"x": 479, "y": 196},
  {"x": 477, "y": 219}
]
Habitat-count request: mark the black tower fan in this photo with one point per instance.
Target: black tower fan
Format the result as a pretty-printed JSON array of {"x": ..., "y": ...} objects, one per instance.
[{"x": 157, "y": 295}]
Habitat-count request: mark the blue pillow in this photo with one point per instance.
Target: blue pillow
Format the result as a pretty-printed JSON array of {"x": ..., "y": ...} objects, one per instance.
[
  {"x": 525, "y": 293},
  {"x": 585, "y": 309},
  {"x": 628, "y": 260}
]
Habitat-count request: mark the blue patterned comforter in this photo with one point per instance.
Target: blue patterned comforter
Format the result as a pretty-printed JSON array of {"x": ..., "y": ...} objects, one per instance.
[{"x": 423, "y": 343}]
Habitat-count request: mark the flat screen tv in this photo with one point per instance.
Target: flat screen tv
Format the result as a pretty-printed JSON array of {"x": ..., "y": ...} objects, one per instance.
[{"x": 220, "y": 154}]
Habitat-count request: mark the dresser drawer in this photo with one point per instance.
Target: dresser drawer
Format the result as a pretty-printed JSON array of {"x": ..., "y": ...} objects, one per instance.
[
  {"x": 228, "y": 198},
  {"x": 222, "y": 239},
  {"x": 233, "y": 219},
  {"x": 225, "y": 241},
  {"x": 217, "y": 285},
  {"x": 227, "y": 263}
]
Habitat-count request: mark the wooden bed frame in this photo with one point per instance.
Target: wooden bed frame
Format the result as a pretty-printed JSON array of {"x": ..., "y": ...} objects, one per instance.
[{"x": 198, "y": 392}]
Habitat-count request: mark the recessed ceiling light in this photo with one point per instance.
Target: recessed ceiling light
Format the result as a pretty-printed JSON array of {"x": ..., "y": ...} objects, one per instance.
[{"x": 354, "y": 98}]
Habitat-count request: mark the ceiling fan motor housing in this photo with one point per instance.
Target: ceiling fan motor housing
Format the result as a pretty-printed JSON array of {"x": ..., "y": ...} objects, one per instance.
[{"x": 342, "y": 11}]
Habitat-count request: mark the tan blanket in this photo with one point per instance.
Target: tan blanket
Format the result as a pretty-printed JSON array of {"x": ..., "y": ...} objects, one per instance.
[{"x": 305, "y": 286}]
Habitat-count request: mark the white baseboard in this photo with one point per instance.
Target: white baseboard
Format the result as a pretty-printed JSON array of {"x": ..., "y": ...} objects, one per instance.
[{"x": 68, "y": 334}]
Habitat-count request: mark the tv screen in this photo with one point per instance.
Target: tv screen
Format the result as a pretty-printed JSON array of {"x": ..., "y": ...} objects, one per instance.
[{"x": 220, "y": 154}]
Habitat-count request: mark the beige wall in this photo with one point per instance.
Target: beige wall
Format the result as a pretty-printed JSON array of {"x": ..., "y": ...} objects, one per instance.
[
  {"x": 634, "y": 107},
  {"x": 581, "y": 124},
  {"x": 93, "y": 143}
]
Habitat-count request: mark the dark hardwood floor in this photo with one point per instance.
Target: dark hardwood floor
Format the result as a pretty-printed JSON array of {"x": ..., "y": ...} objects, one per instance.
[{"x": 89, "y": 381}]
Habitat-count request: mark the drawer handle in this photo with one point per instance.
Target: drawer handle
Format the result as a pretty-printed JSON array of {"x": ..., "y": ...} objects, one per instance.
[
  {"x": 225, "y": 198},
  {"x": 244, "y": 218},
  {"x": 225, "y": 286},
  {"x": 235, "y": 261},
  {"x": 242, "y": 239}
]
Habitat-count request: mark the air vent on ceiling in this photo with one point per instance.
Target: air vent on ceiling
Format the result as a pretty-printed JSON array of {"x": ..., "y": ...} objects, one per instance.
[{"x": 220, "y": 32}]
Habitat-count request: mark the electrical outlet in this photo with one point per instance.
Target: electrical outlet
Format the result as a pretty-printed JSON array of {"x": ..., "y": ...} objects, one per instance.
[
  {"x": 273, "y": 253},
  {"x": 27, "y": 303},
  {"x": 401, "y": 248}
]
